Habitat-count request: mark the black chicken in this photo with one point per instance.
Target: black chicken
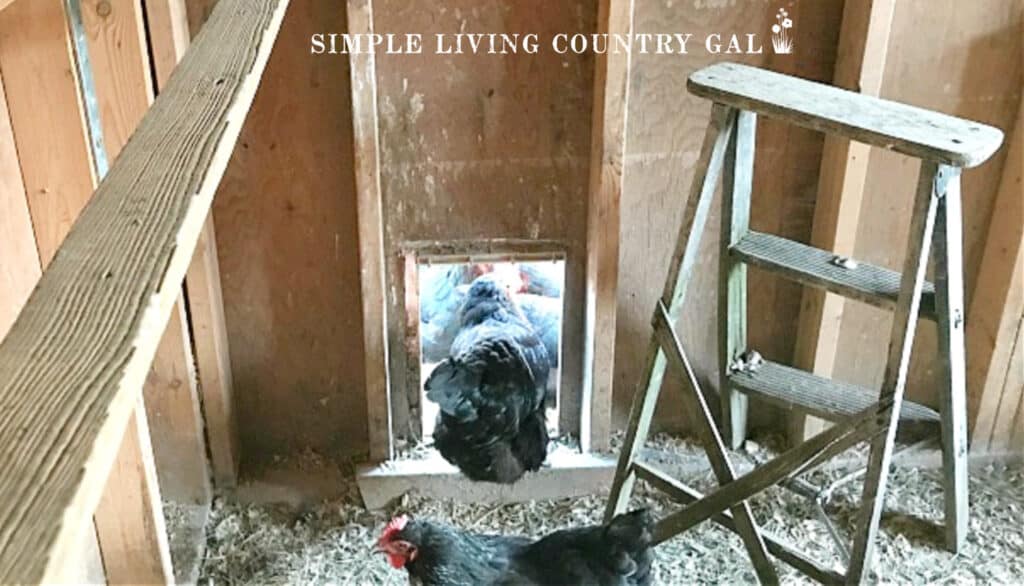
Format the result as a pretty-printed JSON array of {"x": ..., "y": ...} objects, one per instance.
[
  {"x": 616, "y": 554},
  {"x": 491, "y": 388}
]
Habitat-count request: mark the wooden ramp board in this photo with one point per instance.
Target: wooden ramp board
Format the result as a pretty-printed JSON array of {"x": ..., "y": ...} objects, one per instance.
[
  {"x": 73, "y": 365},
  {"x": 891, "y": 125}
]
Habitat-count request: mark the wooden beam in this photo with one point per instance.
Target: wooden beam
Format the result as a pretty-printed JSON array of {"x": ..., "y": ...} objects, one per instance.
[
  {"x": 47, "y": 118},
  {"x": 118, "y": 54},
  {"x": 74, "y": 361},
  {"x": 860, "y": 63},
  {"x": 607, "y": 153},
  {"x": 129, "y": 518},
  {"x": 994, "y": 320},
  {"x": 371, "y": 234},
  {"x": 198, "y": 12},
  {"x": 169, "y": 39},
  {"x": 19, "y": 258}
]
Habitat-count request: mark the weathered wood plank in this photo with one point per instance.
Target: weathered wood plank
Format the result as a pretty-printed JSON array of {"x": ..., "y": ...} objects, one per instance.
[
  {"x": 737, "y": 189},
  {"x": 949, "y": 297},
  {"x": 129, "y": 517},
  {"x": 121, "y": 78},
  {"x": 700, "y": 415},
  {"x": 169, "y": 39},
  {"x": 69, "y": 379},
  {"x": 371, "y": 234},
  {"x": 213, "y": 360},
  {"x": 47, "y": 117},
  {"x": 998, "y": 303},
  {"x": 778, "y": 547},
  {"x": 608, "y": 149},
  {"x": 19, "y": 258},
  {"x": 860, "y": 67},
  {"x": 891, "y": 125},
  {"x": 901, "y": 342},
  {"x": 645, "y": 399}
]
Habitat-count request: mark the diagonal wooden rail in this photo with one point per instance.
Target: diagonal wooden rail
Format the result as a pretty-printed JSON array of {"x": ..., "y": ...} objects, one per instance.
[{"x": 73, "y": 364}]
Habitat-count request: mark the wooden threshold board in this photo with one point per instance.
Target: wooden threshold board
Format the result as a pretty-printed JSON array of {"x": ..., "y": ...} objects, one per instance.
[{"x": 74, "y": 362}]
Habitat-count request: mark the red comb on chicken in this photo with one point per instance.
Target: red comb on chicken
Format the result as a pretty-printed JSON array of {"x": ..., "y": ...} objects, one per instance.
[{"x": 616, "y": 553}]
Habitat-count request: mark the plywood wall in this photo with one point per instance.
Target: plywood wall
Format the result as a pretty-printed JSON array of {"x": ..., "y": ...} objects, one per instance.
[
  {"x": 666, "y": 128},
  {"x": 286, "y": 233},
  {"x": 484, "y": 146},
  {"x": 491, "y": 146},
  {"x": 955, "y": 57}
]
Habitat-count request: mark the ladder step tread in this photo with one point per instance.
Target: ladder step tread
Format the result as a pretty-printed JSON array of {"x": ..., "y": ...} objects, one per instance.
[
  {"x": 833, "y": 400},
  {"x": 815, "y": 267},
  {"x": 882, "y": 123}
]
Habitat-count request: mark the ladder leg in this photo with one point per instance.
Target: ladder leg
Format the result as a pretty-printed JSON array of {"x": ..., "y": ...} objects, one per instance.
[
  {"x": 949, "y": 301},
  {"x": 737, "y": 184},
  {"x": 702, "y": 191},
  {"x": 930, "y": 185}
]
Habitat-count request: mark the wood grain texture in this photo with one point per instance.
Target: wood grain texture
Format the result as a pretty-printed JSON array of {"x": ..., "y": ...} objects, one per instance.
[
  {"x": 169, "y": 39},
  {"x": 975, "y": 74},
  {"x": 47, "y": 118},
  {"x": 198, "y": 12},
  {"x": 213, "y": 358},
  {"x": 366, "y": 145},
  {"x": 717, "y": 137},
  {"x": 481, "y": 146},
  {"x": 904, "y": 325},
  {"x": 287, "y": 248},
  {"x": 19, "y": 258},
  {"x": 608, "y": 148},
  {"x": 997, "y": 310},
  {"x": 116, "y": 37},
  {"x": 119, "y": 59},
  {"x": 704, "y": 421},
  {"x": 664, "y": 140},
  {"x": 891, "y": 125},
  {"x": 124, "y": 259},
  {"x": 129, "y": 517},
  {"x": 860, "y": 66},
  {"x": 167, "y": 25}
]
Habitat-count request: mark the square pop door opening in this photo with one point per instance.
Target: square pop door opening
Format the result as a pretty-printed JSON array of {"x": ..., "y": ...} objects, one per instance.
[{"x": 536, "y": 289}]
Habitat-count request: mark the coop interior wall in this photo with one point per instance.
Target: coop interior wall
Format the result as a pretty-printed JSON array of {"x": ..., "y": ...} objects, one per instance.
[
  {"x": 486, "y": 146},
  {"x": 490, "y": 146}
]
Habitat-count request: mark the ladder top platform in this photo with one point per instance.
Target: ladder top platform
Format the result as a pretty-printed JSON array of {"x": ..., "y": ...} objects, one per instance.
[{"x": 891, "y": 125}]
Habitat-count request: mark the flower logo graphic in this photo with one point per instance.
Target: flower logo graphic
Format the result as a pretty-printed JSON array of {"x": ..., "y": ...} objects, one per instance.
[{"x": 782, "y": 40}]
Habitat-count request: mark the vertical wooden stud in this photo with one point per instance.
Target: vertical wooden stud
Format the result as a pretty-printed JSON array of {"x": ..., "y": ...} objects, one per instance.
[
  {"x": 129, "y": 519},
  {"x": 860, "y": 64},
  {"x": 607, "y": 152},
  {"x": 371, "y": 234}
]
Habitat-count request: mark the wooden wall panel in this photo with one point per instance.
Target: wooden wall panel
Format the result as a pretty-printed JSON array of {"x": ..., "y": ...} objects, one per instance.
[
  {"x": 42, "y": 96},
  {"x": 962, "y": 59},
  {"x": 19, "y": 258},
  {"x": 289, "y": 262},
  {"x": 479, "y": 146},
  {"x": 666, "y": 127},
  {"x": 119, "y": 59}
]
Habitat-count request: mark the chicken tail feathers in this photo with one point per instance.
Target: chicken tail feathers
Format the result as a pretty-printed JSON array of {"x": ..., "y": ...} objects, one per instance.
[{"x": 450, "y": 385}]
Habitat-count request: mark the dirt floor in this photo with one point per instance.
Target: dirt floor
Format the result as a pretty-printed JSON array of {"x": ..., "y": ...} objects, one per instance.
[{"x": 332, "y": 542}]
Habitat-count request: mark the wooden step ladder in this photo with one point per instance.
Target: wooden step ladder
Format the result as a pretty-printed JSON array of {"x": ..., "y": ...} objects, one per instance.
[{"x": 945, "y": 145}]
